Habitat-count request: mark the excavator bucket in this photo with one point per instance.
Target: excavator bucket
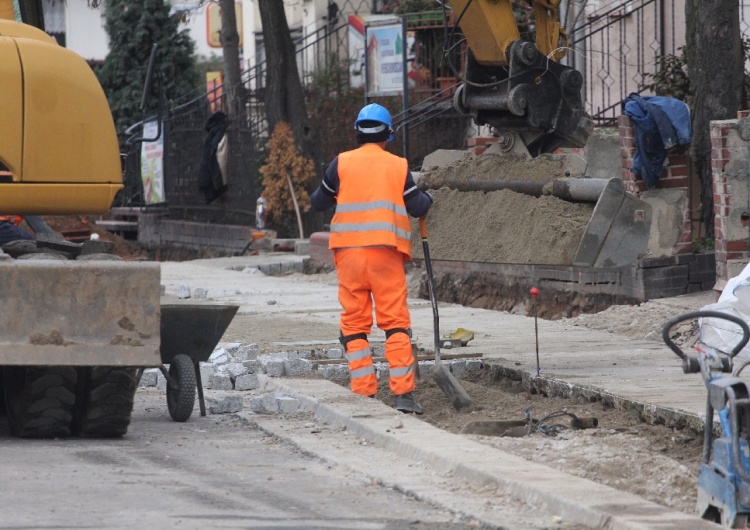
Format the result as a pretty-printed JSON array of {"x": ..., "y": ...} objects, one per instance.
[
  {"x": 618, "y": 231},
  {"x": 79, "y": 313}
]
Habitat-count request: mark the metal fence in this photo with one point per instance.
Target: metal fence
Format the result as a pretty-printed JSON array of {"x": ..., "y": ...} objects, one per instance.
[{"x": 184, "y": 131}]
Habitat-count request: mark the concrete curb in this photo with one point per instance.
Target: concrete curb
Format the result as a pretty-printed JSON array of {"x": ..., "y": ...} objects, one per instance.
[
  {"x": 646, "y": 412},
  {"x": 575, "y": 499}
]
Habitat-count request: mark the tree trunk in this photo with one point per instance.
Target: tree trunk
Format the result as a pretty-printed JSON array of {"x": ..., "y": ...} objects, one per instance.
[
  {"x": 285, "y": 98},
  {"x": 716, "y": 69},
  {"x": 230, "y": 43}
]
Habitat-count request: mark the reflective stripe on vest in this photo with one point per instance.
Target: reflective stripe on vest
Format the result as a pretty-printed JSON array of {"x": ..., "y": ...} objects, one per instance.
[{"x": 370, "y": 209}]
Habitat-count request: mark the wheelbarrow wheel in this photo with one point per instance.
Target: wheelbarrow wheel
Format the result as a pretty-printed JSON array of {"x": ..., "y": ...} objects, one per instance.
[{"x": 181, "y": 394}]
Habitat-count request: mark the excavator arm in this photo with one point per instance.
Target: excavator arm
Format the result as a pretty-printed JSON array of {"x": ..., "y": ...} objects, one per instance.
[
  {"x": 59, "y": 152},
  {"x": 518, "y": 87}
]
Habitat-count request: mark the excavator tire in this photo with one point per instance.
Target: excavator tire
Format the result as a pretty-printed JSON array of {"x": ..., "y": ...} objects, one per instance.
[
  {"x": 39, "y": 400},
  {"x": 105, "y": 401}
]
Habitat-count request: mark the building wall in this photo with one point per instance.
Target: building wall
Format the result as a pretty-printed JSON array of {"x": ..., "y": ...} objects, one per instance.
[{"x": 730, "y": 144}]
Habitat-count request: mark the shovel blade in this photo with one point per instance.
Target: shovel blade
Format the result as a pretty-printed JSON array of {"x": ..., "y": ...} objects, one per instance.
[{"x": 450, "y": 386}]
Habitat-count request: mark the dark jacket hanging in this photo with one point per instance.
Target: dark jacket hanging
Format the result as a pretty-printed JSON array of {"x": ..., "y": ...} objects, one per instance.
[{"x": 211, "y": 182}]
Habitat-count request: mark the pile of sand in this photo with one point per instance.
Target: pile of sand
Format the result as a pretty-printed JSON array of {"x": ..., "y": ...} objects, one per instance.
[{"x": 502, "y": 226}]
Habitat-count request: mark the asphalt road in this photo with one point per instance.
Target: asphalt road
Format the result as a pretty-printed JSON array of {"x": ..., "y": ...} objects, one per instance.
[{"x": 221, "y": 471}]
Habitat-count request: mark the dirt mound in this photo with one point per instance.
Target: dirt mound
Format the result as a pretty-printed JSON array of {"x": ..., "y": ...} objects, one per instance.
[
  {"x": 501, "y": 226},
  {"x": 62, "y": 224}
]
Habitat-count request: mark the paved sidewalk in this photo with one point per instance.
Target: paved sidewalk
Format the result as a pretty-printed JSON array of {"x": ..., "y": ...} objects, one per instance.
[{"x": 643, "y": 373}]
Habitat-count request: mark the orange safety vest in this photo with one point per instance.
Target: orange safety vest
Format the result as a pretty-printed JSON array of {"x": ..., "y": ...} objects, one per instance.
[
  {"x": 370, "y": 209},
  {"x": 15, "y": 219}
]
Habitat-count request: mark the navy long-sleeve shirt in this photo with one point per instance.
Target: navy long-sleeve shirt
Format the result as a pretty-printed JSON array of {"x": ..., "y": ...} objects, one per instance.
[{"x": 416, "y": 201}]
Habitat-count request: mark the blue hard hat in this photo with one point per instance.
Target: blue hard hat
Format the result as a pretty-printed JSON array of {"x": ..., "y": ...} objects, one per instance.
[{"x": 374, "y": 113}]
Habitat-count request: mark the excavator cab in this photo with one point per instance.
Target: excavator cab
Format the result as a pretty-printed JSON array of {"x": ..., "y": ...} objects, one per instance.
[
  {"x": 518, "y": 87},
  {"x": 59, "y": 152}
]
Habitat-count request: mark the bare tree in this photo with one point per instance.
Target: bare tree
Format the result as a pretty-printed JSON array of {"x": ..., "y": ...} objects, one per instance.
[
  {"x": 285, "y": 97},
  {"x": 230, "y": 43},
  {"x": 716, "y": 70}
]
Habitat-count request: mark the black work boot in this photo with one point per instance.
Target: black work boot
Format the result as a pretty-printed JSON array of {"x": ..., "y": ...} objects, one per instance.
[{"x": 406, "y": 404}]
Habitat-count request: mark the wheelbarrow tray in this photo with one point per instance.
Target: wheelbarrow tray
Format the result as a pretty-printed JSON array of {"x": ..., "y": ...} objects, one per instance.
[
  {"x": 189, "y": 334},
  {"x": 193, "y": 330}
]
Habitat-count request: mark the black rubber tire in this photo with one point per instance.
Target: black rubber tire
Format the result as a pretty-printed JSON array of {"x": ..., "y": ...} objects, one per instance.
[
  {"x": 181, "y": 397},
  {"x": 39, "y": 400},
  {"x": 105, "y": 401}
]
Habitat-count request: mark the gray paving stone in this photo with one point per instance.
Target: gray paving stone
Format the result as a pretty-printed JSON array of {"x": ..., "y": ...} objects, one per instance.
[
  {"x": 274, "y": 368},
  {"x": 335, "y": 353},
  {"x": 221, "y": 382},
  {"x": 294, "y": 367},
  {"x": 149, "y": 377},
  {"x": 225, "y": 405},
  {"x": 265, "y": 404},
  {"x": 207, "y": 371},
  {"x": 200, "y": 293},
  {"x": 183, "y": 291},
  {"x": 288, "y": 404},
  {"x": 247, "y": 382},
  {"x": 253, "y": 366}
]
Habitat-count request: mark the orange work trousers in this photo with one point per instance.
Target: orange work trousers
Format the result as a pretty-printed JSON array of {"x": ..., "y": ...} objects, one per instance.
[{"x": 367, "y": 275}]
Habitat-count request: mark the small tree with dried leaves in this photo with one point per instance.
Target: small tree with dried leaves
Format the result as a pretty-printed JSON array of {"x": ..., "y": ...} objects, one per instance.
[{"x": 286, "y": 175}]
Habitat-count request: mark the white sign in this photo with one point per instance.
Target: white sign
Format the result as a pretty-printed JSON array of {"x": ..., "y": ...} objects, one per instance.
[
  {"x": 385, "y": 60},
  {"x": 152, "y": 164}
]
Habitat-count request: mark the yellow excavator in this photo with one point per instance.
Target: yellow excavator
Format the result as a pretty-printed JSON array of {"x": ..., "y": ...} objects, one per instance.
[
  {"x": 59, "y": 152},
  {"x": 72, "y": 332},
  {"x": 517, "y": 87}
]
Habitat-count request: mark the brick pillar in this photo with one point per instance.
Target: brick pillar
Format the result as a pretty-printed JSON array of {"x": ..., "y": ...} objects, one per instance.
[
  {"x": 729, "y": 172},
  {"x": 674, "y": 176}
]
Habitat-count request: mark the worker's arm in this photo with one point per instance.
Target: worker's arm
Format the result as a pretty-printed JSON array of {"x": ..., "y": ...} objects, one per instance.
[
  {"x": 325, "y": 196},
  {"x": 417, "y": 201}
]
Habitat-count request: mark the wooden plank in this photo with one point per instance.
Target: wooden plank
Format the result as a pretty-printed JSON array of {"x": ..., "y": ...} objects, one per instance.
[{"x": 443, "y": 357}]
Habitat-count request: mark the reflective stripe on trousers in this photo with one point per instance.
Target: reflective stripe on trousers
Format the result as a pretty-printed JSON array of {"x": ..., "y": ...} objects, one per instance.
[{"x": 367, "y": 274}]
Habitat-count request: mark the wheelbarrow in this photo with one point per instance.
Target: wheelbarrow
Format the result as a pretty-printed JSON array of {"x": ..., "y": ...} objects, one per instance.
[{"x": 189, "y": 335}]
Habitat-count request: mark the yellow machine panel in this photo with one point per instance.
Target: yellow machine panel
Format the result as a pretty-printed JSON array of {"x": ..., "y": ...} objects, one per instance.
[
  {"x": 11, "y": 88},
  {"x": 70, "y": 159}
]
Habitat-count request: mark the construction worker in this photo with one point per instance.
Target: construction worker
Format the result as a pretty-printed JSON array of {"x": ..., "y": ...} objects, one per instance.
[
  {"x": 373, "y": 191},
  {"x": 9, "y": 230}
]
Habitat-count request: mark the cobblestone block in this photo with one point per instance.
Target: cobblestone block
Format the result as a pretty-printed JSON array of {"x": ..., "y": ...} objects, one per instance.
[
  {"x": 247, "y": 382},
  {"x": 253, "y": 366},
  {"x": 473, "y": 364},
  {"x": 274, "y": 368},
  {"x": 335, "y": 353},
  {"x": 207, "y": 371},
  {"x": 265, "y": 404},
  {"x": 297, "y": 367},
  {"x": 200, "y": 293},
  {"x": 161, "y": 381},
  {"x": 458, "y": 367},
  {"x": 183, "y": 291},
  {"x": 234, "y": 370},
  {"x": 221, "y": 382},
  {"x": 149, "y": 377},
  {"x": 219, "y": 356},
  {"x": 288, "y": 404},
  {"x": 225, "y": 405},
  {"x": 334, "y": 371}
]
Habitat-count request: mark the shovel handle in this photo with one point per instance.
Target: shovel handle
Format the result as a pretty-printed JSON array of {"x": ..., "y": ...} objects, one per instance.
[{"x": 423, "y": 227}]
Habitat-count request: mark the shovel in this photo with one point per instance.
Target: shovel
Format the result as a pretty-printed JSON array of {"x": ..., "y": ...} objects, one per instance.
[{"x": 440, "y": 374}]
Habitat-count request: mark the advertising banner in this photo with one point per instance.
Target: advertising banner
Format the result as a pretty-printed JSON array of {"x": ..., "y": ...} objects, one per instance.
[
  {"x": 152, "y": 165},
  {"x": 385, "y": 60}
]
